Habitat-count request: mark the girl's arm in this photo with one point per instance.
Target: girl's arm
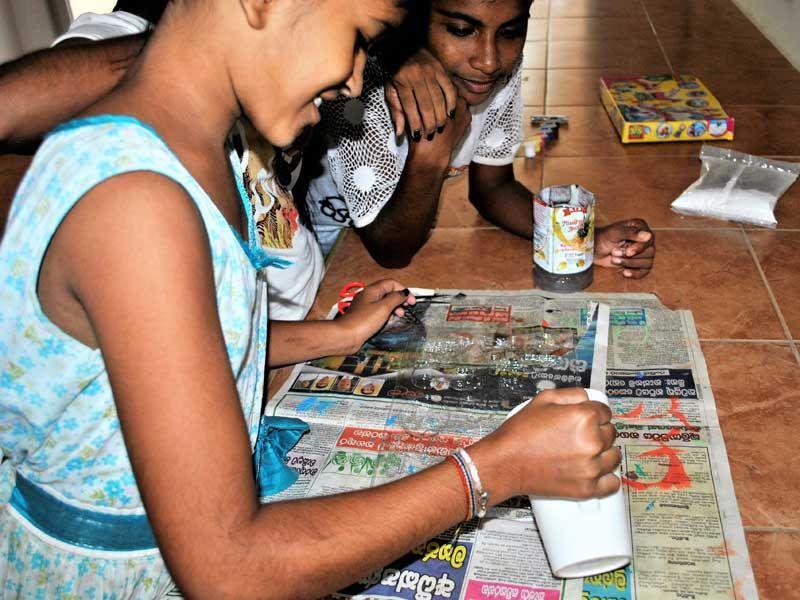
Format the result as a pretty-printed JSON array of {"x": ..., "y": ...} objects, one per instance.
[
  {"x": 500, "y": 198},
  {"x": 292, "y": 342},
  {"x": 134, "y": 253}
]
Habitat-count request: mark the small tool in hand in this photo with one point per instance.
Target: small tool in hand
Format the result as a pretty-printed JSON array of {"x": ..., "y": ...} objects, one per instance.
[
  {"x": 347, "y": 294},
  {"x": 421, "y": 292}
]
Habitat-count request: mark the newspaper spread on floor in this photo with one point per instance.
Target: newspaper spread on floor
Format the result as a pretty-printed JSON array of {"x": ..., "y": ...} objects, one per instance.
[{"x": 447, "y": 374}]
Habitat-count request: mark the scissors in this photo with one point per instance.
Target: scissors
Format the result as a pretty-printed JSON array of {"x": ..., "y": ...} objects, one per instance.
[
  {"x": 347, "y": 294},
  {"x": 349, "y": 291}
]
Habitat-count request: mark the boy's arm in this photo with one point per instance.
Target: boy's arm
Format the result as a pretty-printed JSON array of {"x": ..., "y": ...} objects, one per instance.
[
  {"x": 392, "y": 198},
  {"x": 493, "y": 189},
  {"x": 402, "y": 226},
  {"x": 500, "y": 198},
  {"x": 42, "y": 89},
  {"x": 627, "y": 245}
]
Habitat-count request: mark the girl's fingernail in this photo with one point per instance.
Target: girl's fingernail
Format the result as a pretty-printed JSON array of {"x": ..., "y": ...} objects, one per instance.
[
  {"x": 441, "y": 129},
  {"x": 417, "y": 135},
  {"x": 453, "y": 114},
  {"x": 429, "y": 137},
  {"x": 406, "y": 291}
]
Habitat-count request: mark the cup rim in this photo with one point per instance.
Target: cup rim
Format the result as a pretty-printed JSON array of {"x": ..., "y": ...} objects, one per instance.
[{"x": 592, "y": 566}]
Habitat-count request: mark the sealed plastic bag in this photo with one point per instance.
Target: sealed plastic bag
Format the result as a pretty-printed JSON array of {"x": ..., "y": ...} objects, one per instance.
[{"x": 737, "y": 187}]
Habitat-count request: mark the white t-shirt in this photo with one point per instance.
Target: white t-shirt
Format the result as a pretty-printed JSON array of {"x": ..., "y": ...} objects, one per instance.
[
  {"x": 292, "y": 289},
  {"x": 365, "y": 159},
  {"x": 95, "y": 27}
]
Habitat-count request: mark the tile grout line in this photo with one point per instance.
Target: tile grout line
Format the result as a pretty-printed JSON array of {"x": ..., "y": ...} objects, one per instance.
[
  {"x": 780, "y": 230},
  {"x": 757, "y": 529},
  {"x": 546, "y": 64},
  {"x": 787, "y": 332},
  {"x": 597, "y": 68},
  {"x": 692, "y": 228},
  {"x": 689, "y": 228},
  {"x": 600, "y": 157},
  {"x": 546, "y": 69},
  {"x": 658, "y": 38},
  {"x": 745, "y": 341},
  {"x": 696, "y": 228}
]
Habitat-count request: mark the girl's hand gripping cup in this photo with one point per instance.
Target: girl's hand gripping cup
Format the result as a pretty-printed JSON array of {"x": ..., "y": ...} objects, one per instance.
[{"x": 583, "y": 537}]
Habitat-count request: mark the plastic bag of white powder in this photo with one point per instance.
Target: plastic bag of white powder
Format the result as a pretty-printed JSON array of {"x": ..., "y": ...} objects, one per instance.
[{"x": 737, "y": 187}]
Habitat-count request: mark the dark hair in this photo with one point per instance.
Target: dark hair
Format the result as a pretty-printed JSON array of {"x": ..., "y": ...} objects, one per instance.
[
  {"x": 150, "y": 10},
  {"x": 404, "y": 41}
]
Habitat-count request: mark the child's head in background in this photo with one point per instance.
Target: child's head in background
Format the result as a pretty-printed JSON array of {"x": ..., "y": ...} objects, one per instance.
[{"x": 283, "y": 56}]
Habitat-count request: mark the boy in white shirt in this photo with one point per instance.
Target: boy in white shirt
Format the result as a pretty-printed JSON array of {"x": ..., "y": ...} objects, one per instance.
[{"x": 461, "y": 97}]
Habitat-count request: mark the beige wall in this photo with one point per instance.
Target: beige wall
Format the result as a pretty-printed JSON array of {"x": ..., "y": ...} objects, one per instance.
[
  {"x": 79, "y": 7},
  {"x": 779, "y": 20},
  {"x": 25, "y": 25},
  {"x": 28, "y": 25},
  {"x": 10, "y": 44},
  {"x": 35, "y": 23}
]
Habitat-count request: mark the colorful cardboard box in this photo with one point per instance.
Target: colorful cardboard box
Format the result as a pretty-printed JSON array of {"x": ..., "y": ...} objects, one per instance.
[{"x": 664, "y": 108}]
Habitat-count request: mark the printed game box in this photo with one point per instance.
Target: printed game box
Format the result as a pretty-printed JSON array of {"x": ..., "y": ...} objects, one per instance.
[{"x": 664, "y": 108}]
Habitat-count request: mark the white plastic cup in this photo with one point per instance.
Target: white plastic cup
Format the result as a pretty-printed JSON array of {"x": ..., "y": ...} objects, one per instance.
[
  {"x": 530, "y": 149},
  {"x": 583, "y": 537}
]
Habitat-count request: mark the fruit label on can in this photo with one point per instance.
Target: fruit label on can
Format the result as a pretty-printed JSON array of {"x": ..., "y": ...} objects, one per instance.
[{"x": 563, "y": 230}]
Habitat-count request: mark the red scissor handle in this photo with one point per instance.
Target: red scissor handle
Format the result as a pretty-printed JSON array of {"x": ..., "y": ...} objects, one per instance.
[{"x": 347, "y": 293}]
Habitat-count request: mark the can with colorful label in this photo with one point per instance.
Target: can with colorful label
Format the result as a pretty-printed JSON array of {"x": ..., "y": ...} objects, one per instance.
[{"x": 563, "y": 238}]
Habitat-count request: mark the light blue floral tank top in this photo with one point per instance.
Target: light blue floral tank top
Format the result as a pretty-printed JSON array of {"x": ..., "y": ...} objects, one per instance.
[{"x": 58, "y": 422}]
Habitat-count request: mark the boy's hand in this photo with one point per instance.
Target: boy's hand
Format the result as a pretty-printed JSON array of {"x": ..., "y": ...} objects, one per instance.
[
  {"x": 437, "y": 150},
  {"x": 629, "y": 245},
  {"x": 421, "y": 96},
  {"x": 371, "y": 308}
]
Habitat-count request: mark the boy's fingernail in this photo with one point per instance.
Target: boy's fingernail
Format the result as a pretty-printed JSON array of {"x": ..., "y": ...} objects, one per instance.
[
  {"x": 429, "y": 137},
  {"x": 616, "y": 261},
  {"x": 417, "y": 135},
  {"x": 453, "y": 114},
  {"x": 616, "y": 252}
]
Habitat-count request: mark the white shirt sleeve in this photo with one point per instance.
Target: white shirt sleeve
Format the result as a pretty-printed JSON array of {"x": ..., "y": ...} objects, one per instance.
[
  {"x": 366, "y": 161},
  {"x": 95, "y": 27},
  {"x": 501, "y": 133}
]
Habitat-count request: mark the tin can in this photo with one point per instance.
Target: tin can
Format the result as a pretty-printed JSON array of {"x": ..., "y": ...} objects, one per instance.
[{"x": 563, "y": 238}]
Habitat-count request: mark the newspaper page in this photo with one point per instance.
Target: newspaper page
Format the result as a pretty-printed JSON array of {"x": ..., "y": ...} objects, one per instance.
[{"x": 448, "y": 372}]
